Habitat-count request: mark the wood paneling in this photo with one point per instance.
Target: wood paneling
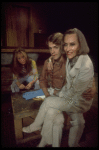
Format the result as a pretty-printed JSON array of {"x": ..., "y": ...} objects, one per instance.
[
  {"x": 17, "y": 26},
  {"x": 3, "y": 27},
  {"x": 19, "y": 22},
  {"x": 40, "y": 40},
  {"x": 27, "y": 50}
]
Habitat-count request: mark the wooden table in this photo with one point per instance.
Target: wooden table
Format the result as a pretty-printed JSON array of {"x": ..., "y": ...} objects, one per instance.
[{"x": 23, "y": 108}]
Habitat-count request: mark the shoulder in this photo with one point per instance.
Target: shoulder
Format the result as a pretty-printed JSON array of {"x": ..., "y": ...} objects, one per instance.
[
  {"x": 45, "y": 63},
  {"x": 86, "y": 61},
  {"x": 32, "y": 61}
]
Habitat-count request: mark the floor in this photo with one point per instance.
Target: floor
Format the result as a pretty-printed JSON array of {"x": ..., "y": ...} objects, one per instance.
[{"x": 89, "y": 137}]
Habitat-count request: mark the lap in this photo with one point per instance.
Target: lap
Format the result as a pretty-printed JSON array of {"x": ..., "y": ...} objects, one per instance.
[
  {"x": 56, "y": 103},
  {"x": 61, "y": 104}
]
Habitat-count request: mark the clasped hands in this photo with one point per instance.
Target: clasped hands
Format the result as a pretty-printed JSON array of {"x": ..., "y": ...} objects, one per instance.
[{"x": 28, "y": 86}]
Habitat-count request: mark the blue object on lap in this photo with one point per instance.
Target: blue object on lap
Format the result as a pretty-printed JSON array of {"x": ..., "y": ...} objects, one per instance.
[{"x": 32, "y": 94}]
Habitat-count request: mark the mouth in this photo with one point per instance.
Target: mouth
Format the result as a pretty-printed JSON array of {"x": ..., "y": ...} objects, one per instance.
[
  {"x": 23, "y": 62},
  {"x": 53, "y": 55},
  {"x": 69, "y": 53}
]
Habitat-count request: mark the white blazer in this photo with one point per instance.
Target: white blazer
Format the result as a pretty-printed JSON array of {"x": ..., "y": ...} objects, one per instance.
[{"x": 79, "y": 79}]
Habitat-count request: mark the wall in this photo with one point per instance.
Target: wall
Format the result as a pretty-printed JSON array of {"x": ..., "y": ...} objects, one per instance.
[
  {"x": 6, "y": 58},
  {"x": 20, "y": 20}
]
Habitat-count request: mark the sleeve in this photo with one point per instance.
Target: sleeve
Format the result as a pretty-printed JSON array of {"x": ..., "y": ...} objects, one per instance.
[
  {"x": 43, "y": 77},
  {"x": 14, "y": 77},
  {"x": 82, "y": 83},
  {"x": 34, "y": 71}
]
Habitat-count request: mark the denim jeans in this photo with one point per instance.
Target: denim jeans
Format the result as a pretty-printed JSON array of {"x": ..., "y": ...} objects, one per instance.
[{"x": 15, "y": 88}]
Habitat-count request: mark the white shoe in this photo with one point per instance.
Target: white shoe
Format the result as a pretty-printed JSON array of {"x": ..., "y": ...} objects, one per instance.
[{"x": 30, "y": 129}]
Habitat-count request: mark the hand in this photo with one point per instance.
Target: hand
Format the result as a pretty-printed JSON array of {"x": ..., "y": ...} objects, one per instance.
[
  {"x": 50, "y": 66},
  {"x": 45, "y": 90},
  {"x": 55, "y": 91},
  {"x": 60, "y": 94},
  {"x": 89, "y": 94},
  {"x": 28, "y": 86},
  {"x": 22, "y": 86}
]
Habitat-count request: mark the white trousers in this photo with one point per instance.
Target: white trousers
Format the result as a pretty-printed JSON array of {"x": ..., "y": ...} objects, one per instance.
[
  {"x": 49, "y": 110},
  {"x": 52, "y": 127}
]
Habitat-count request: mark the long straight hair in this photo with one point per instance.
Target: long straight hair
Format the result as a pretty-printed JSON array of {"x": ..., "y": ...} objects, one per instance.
[{"x": 17, "y": 67}]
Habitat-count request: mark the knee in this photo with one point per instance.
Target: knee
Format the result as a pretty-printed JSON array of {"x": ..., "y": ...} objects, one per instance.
[
  {"x": 59, "y": 119},
  {"x": 30, "y": 78},
  {"x": 14, "y": 87},
  {"x": 47, "y": 101},
  {"x": 51, "y": 112},
  {"x": 77, "y": 119},
  {"x": 50, "y": 100},
  {"x": 77, "y": 122}
]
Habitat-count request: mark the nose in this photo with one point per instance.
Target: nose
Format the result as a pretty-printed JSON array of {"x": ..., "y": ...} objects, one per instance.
[
  {"x": 22, "y": 59},
  {"x": 68, "y": 48},
  {"x": 52, "y": 51}
]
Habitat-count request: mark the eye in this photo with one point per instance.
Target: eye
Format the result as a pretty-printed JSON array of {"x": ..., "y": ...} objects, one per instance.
[
  {"x": 72, "y": 44},
  {"x": 56, "y": 47},
  {"x": 65, "y": 44},
  {"x": 50, "y": 48}
]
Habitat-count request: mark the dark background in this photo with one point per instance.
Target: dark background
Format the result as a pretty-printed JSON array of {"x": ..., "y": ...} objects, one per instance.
[
  {"x": 58, "y": 17},
  {"x": 61, "y": 16}
]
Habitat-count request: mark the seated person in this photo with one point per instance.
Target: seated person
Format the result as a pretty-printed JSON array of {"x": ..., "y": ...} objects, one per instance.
[
  {"x": 52, "y": 81},
  {"x": 24, "y": 69}
]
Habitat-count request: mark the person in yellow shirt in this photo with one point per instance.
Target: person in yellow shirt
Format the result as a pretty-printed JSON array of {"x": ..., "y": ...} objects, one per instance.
[{"x": 23, "y": 69}]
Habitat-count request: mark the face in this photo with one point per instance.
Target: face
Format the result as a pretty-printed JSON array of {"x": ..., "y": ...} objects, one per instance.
[
  {"x": 21, "y": 58},
  {"x": 71, "y": 45},
  {"x": 54, "y": 50}
]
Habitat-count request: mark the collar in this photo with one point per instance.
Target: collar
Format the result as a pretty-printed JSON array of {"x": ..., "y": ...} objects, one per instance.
[
  {"x": 73, "y": 61},
  {"x": 59, "y": 61},
  {"x": 76, "y": 67}
]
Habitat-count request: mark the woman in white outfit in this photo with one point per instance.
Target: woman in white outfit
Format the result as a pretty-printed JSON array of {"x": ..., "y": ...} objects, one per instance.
[{"x": 79, "y": 77}]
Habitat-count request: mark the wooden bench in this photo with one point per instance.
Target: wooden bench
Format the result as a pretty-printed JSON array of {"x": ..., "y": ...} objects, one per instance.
[{"x": 24, "y": 108}]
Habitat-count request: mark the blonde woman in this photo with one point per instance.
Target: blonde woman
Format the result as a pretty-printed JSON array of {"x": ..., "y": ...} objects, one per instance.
[
  {"x": 24, "y": 69},
  {"x": 79, "y": 77},
  {"x": 50, "y": 112}
]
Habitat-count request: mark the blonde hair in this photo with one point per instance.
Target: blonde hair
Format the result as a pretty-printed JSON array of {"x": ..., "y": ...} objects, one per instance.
[
  {"x": 16, "y": 66},
  {"x": 56, "y": 38}
]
